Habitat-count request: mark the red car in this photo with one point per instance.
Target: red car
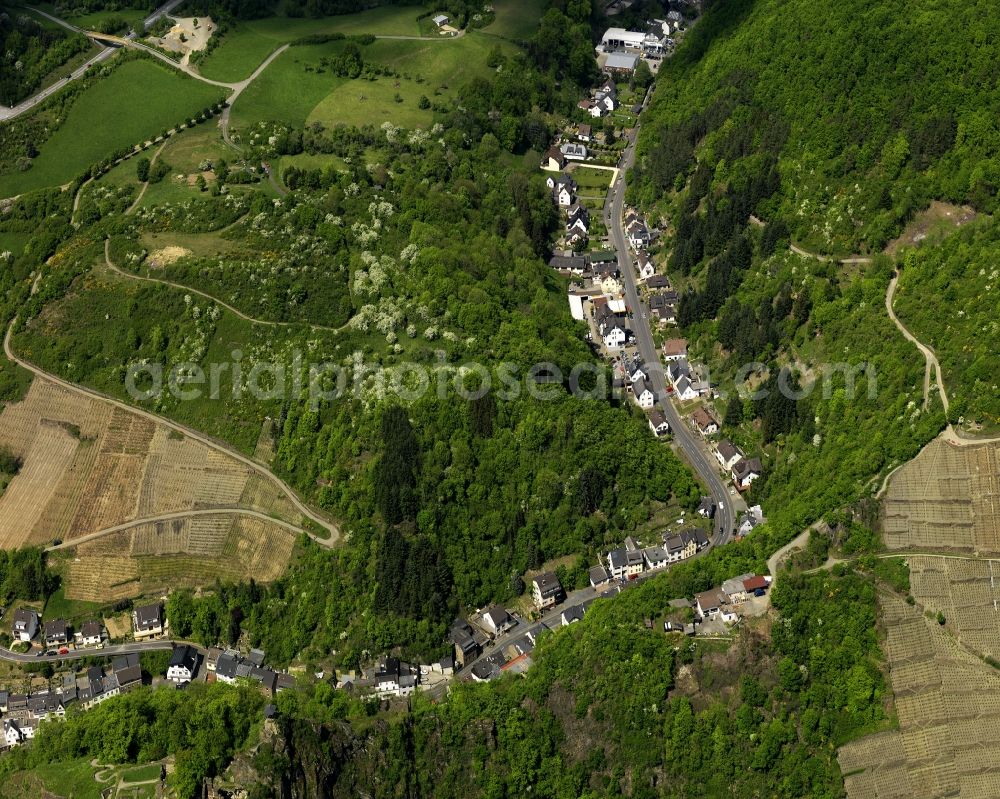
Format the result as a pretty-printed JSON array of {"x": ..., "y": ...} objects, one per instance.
[{"x": 63, "y": 651}]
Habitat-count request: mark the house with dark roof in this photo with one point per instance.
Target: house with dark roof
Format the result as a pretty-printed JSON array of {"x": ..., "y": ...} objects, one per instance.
[
  {"x": 498, "y": 621},
  {"x": 655, "y": 557},
  {"x": 598, "y": 576},
  {"x": 183, "y": 663},
  {"x": 572, "y": 614},
  {"x": 583, "y": 132},
  {"x": 25, "y": 625},
  {"x": 727, "y": 453},
  {"x": 56, "y": 632},
  {"x": 147, "y": 621},
  {"x": 745, "y": 471},
  {"x": 617, "y": 563},
  {"x": 574, "y": 151},
  {"x": 657, "y": 282},
  {"x": 553, "y": 160},
  {"x": 706, "y": 508},
  {"x": 90, "y": 634},
  {"x": 644, "y": 396},
  {"x": 546, "y": 590},
  {"x": 658, "y": 422},
  {"x": 467, "y": 648},
  {"x": 705, "y": 422}
]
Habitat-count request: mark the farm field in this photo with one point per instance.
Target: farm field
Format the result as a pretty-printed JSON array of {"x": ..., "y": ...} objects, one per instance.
[
  {"x": 291, "y": 90},
  {"x": 155, "y": 97},
  {"x": 945, "y": 499},
  {"x": 247, "y": 43},
  {"x": 89, "y": 467},
  {"x": 156, "y": 557},
  {"x": 948, "y": 705}
]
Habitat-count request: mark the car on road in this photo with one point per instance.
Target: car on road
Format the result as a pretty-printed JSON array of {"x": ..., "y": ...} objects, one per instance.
[
  {"x": 63, "y": 651},
  {"x": 50, "y": 653}
]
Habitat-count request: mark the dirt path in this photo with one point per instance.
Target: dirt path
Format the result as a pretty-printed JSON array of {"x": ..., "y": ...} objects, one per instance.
[
  {"x": 238, "y": 90},
  {"x": 180, "y": 514},
  {"x": 208, "y": 441},
  {"x": 142, "y": 191},
  {"x": 928, "y": 353},
  {"x": 180, "y": 286}
]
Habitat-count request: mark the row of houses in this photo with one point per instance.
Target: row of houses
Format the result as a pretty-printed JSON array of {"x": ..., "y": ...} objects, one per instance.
[
  {"x": 564, "y": 193},
  {"x": 631, "y": 559},
  {"x": 23, "y": 713},
  {"x": 743, "y": 470},
  {"x": 603, "y": 101},
  {"x": 27, "y": 625},
  {"x": 230, "y": 666}
]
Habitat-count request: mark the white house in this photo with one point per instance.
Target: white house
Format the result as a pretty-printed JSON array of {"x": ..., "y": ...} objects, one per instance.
[
  {"x": 497, "y": 620},
  {"x": 183, "y": 663},
  {"x": 675, "y": 349},
  {"x": 90, "y": 634},
  {"x": 684, "y": 389},
  {"x": 15, "y": 732},
  {"x": 705, "y": 423},
  {"x": 634, "y": 369},
  {"x": 25, "y": 625},
  {"x": 574, "y": 151},
  {"x": 441, "y": 20},
  {"x": 746, "y": 471},
  {"x": 617, "y": 563},
  {"x": 658, "y": 423},
  {"x": 147, "y": 621},
  {"x": 545, "y": 590},
  {"x": 655, "y": 557},
  {"x": 728, "y": 454},
  {"x": 611, "y": 285},
  {"x": 643, "y": 394},
  {"x": 571, "y": 615},
  {"x": 714, "y": 604},
  {"x": 645, "y": 266}
]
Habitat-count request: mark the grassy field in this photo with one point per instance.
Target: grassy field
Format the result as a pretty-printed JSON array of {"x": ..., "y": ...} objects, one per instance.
[
  {"x": 142, "y": 773},
  {"x": 307, "y": 161},
  {"x": 140, "y": 97},
  {"x": 248, "y": 43},
  {"x": 597, "y": 180},
  {"x": 66, "y": 778},
  {"x": 292, "y": 90},
  {"x": 73, "y": 610},
  {"x": 515, "y": 19}
]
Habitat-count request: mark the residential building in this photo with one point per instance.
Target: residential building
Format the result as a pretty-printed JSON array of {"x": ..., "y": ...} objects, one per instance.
[
  {"x": 553, "y": 160},
  {"x": 635, "y": 563},
  {"x": 91, "y": 633},
  {"x": 644, "y": 265},
  {"x": 598, "y": 576},
  {"x": 675, "y": 349},
  {"x": 634, "y": 369},
  {"x": 147, "y": 621},
  {"x": 56, "y": 632},
  {"x": 749, "y": 520},
  {"x": 25, "y": 625},
  {"x": 649, "y": 42},
  {"x": 611, "y": 285},
  {"x": 655, "y": 557},
  {"x": 728, "y": 454},
  {"x": 570, "y": 615},
  {"x": 734, "y": 589},
  {"x": 714, "y": 604},
  {"x": 617, "y": 563},
  {"x": 745, "y": 471},
  {"x": 704, "y": 421},
  {"x": 678, "y": 547},
  {"x": 658, "y": 423},
  {"x": 706, "y": 508},
  {"x": 546, "y": 590},
  {"x": 14, "y": 734},
  {"x": 441, "y": 20},
  {"x": 468, "y": 645},
  {"x": 498, "y": 621},
  {"x": 578, "y": 218},
  {"x": 644, "y": 396},
  {"x": 611, "y": 328},
  {"x": 695, "y": 536},
  {"x": 656, "y": 282},
  {"x": 756, "y": 585},
  {"x": 663, "y": 309},
  {"x": 583, "y": 133},
  {"x": 574, "y": 264},
  {"x": 574, "y": 151},
  {"x": 183, "y": 663},
  {"x": 685, "y": 390}
]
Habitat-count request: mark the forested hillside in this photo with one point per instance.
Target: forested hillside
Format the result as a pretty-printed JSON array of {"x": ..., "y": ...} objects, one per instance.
[{"x": 867, "y": 110}]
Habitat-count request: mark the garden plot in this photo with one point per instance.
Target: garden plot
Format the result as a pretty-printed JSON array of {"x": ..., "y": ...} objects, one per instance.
[
  {"x": 945, "y": 698},
  {"x": 947, "y": 498}
]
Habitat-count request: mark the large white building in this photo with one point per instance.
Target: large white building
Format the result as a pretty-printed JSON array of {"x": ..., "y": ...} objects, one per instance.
[{"x": 647, "y": 43}]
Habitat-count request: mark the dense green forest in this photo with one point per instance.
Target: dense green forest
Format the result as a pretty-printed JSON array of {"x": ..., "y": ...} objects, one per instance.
[{"x": 29, "y": 52}]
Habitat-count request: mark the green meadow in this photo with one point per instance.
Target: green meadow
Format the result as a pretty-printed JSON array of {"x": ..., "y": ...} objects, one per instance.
[
  {"x": 138, "y": 100},
  {"x": 247, "y": 43},
  {"x": 515, "y": 19},
  {"x": 292, "y": 90}
]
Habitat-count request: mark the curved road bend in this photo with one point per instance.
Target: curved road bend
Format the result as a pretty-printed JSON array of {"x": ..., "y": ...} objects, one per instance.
[
  {"x": 218, "y": 446},
  {"x": 683, "y": 435}
]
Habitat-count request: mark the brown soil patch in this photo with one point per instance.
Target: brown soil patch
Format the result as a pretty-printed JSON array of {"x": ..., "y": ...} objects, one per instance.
[
  {"x": 167, "y": 255},
  {"x": 938, "y": 218}
]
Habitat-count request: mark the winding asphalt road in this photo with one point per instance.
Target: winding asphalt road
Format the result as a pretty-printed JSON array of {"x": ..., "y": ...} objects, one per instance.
[{"x": 684, "y": 437}]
